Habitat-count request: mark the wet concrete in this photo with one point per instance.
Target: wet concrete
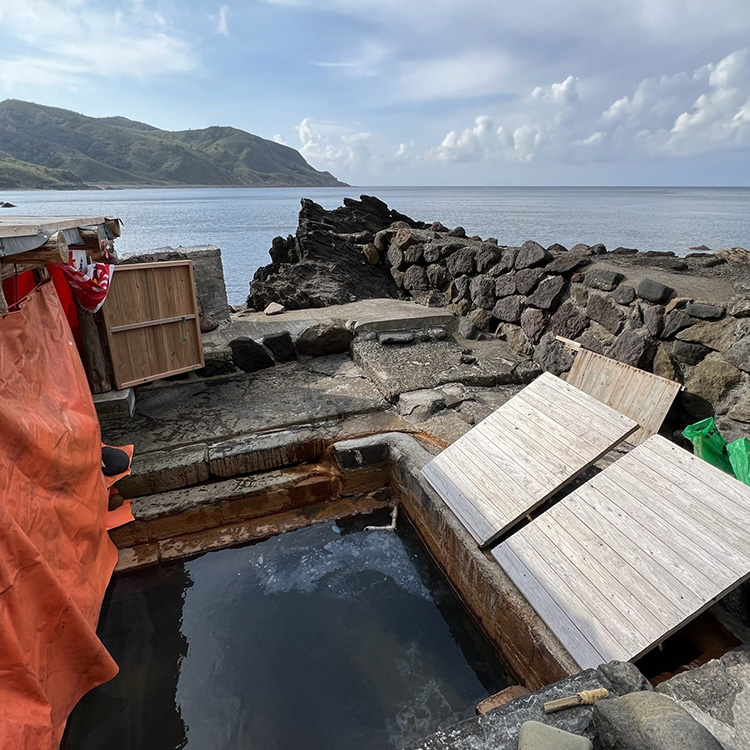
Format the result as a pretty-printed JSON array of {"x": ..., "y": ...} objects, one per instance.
[{"x": 327, "y": 637}]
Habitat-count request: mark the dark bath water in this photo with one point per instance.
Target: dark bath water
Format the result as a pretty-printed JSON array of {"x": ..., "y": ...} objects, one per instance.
[{"x": 323, "y": 638}]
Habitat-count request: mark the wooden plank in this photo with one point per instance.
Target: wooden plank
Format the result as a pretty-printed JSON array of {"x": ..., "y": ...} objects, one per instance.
[
  {"x": 522, "y": 454},
  {"x": 635, "y": 553},
  {"x": 641, "y": 395}
]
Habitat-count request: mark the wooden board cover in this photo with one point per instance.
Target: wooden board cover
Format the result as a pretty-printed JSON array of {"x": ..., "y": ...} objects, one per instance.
[
  {"x": 522, "y": 454},
  {"x": 632, "y": 555},
  {"x": 152, "y": 324},
  {"x": 640, "y": 395}
]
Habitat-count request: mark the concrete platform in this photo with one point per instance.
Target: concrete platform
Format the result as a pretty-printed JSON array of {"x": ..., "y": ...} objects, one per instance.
[{"x": 370, "y": 315}]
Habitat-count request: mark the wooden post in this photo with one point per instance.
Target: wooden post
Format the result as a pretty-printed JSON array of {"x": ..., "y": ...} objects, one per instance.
[{"x": 93, "y": 356}]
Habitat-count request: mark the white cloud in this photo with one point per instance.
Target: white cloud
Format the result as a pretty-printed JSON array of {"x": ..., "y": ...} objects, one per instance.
[
  {"x": 221, "y": 21},
  {"x": 278, "y": 138},
  {"x": 366, "y": 63},
  {"x": 134, "y": 45}
]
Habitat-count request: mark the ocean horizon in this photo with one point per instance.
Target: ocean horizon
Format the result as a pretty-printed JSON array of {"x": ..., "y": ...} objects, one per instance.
[{"x": 244, "y": 221}]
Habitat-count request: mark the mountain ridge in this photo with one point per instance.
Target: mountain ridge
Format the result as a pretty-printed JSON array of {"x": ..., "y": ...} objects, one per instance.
[{"x": 43, "y": 146}]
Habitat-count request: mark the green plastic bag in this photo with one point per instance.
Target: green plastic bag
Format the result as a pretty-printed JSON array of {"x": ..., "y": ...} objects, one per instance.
[
  {"x": 739, "y": 457},
  {"x": 708, "y": 444}
]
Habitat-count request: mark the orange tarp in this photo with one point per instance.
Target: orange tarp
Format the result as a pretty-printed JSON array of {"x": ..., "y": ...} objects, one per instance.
[{"x": 56, "y": 558}]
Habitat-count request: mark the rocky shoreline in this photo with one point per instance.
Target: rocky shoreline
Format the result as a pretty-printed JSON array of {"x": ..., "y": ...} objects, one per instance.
[{"x": 686, "y": 319}]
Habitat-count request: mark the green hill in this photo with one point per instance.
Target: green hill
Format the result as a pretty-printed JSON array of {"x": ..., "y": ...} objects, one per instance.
[{"x": 50, "y": 147}]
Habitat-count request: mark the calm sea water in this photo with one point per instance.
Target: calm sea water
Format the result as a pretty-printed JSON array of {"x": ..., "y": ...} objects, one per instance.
[{"x": 243, "y": 221}]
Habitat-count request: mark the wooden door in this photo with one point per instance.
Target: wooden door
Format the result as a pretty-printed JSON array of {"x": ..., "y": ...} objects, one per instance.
[{"x": 151, "y": 320}]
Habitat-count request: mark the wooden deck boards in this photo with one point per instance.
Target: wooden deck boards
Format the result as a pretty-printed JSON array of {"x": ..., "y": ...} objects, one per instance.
[
  {"x": 641, "y": 395},
  {"x": 523, "y": 453},
  {"x": 635, "y": 553}
]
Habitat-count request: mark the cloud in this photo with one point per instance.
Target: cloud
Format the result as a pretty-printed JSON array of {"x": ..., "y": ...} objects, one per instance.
[
  {"x": 63, "y": 42},
  {"x": 221, "y": 21}
]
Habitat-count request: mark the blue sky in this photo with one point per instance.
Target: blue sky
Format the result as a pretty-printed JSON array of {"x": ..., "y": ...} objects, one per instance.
[{"x": 415, "y": 92}]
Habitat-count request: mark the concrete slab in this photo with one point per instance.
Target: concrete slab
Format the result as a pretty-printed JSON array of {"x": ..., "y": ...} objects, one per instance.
[
  {"x": 363, "y": 316},
  {"x": 115, "y": 404},
  {"x": 277, "y": 398}
]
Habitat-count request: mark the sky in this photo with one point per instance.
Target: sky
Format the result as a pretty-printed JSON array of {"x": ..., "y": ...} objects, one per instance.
[{"x": 414, "y": 92}]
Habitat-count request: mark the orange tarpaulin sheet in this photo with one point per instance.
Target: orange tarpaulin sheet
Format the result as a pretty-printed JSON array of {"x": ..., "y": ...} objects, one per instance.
[{"x": 55, "y": 555}]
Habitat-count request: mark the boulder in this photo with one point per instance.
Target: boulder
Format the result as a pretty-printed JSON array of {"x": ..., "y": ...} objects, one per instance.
[
  {"x": 624, "y": 294},
  {"x": 404, "y": 239},
  {"x": 508, "y": 309},
  {"x": 551, "y": 355},
  {"x": 738, "y": 354},
  {"x": 590, "y": 341},
  {"x": 677, "y": 303},
  {"x": 249, "y": 355},
  {"x": 663, "y": 365},
  {"x": 530, "y": 254},
  {"x": 597, "y": 249},
  {"x": 398, "y": 277},
  {"x": 704, "y": 311},
  {"x": 417, "y": 406},
  {"x": 321, "y": 339},
  {"x": 480, "y": 318},
  {"x": 396, "y": 338},
  {"x": 438, "y": 276},
  {"x": 395, "y": 257},
  {"x": 568, "y": 321},
  {"x": 457, "y": 232},
  {"x": 649, "y": 721},
  {"x": 709, "y": 381},
  {"x": 579, "y": 294},
  {"x": 689, "y": 353},
  {"x": 461, "y": 262},
  {"x": 604, "y": 312},
  {"x": 274, "y": 308},
  {"x": 467, "y": 329},
  {"x": 653, "y": 291},
  {"x": 416, "y": 278},
  {"x": 631, "y": 348},
  {"x": 382, "y": 240},
  {"x": 624, "y": 251},
  {"x": 482, "y": 291},
  {"x": 455, "y": 394},
  {"x": 461, "y": 288},
  {"x": 739, "y": 307},
  {"x": 718, "y": 335},
  {"x": 372, "y": 256},
  {"x": 675, "y": 322},
  {"x": 557, "y": 248},
  {"x": 487, "y": 256},
  {"x": 581, "y": 247},
  {"x": 436, "y": 226},
  {"x": 603, "y": 279},
  {"x": 281, "y": 346},
  {"x": 435, "y": 251},
  {"x": 547, "y": 293},
  {"x": 506, "y": 262},
  {"x": 653, "y": 319},
  {"x": 413, "y": 254},
  {"x": 537, "y": 736},
  {"x": 505, "y": 285},
  {"x": 207, "y": 323},
  {"x": 527, "y": 279},
  {"x": 566, "y": 263},
  {"x": 533, "y": 323}
]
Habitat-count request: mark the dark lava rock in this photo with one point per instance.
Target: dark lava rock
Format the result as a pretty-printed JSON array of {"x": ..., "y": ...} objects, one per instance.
[
  {"x": 413, "y": 254},
  {"x": 533, "y": 323},
  {"x": 547, "y": 293},
  {"x": 527, "y": 279},
  {"x": 508, "y": 309},
  {"x": 704, "y": 311},
  {"x": 506, "y": 262},
  {"x": 462, "y": 287},
  {"x": 321, "y": 339},
  {"x": 416, "y": 278},
  {"x": 551, "y": 355},
  {"x": 437, "y": 276},
  {"x": 482, "y": 290},
  {"x": 653, "y": 291},
  {"x": 602, "y": 279},
  {"x": 404, "y": 239},
  {"x": 461, "y": 262},
  {"x": 689, "y": 353},
  {"x": 487, "y": 256},
  {"x": 675, "y": 321},
  {"x": 556, "y": 247},
  {"x": 397, "y": 338},
  {"x": 434, "y": 252},
  {"x": 581, "y": 247},
  {"x": 739, "y": 354},
  {"x": 457, "y": 232},
  {"x": 281, "y": 346},
  {"x": 566, "y": 263},
  {"x": 436, "y": 226},
  {"x": 598, "y": 249},
  {"x": 505, "y": 285},
  {"x": 467, "y": 329},
  {"x": 395, "y": 257},
  {"x": 631, "y": 348},
  {"x": 249, "y": 355},
  {"x": 568, "y": 321},
  {"x": 530, "y": 254},
  {"x": 398, "y": 277},
  {"x": 603, "y": 311},
  {"x": 653, "y": 319},
  {"x": 649, "y": 721},
  {"x": 624, "y": 251},
  {"x": 624, "y": 294}
]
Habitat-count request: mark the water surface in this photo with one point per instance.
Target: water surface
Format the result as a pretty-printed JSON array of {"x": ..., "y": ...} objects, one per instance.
[{"x": 318, "y": 639}]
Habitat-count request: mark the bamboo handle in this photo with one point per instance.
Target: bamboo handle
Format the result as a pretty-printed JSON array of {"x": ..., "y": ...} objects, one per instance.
[{"x": 584, "y": 698}]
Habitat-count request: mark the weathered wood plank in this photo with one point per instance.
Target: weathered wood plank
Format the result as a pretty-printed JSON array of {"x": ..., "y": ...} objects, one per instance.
[
  {"x": 635, "y": 553},
  {"x": 519, "y": 456}
]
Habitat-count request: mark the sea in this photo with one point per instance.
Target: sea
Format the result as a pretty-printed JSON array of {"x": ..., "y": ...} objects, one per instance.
[{"x": 243, "y": 221}]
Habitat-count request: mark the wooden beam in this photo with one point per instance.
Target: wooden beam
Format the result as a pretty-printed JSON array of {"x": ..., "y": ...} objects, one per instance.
[{"x": 54, "y": 250}]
